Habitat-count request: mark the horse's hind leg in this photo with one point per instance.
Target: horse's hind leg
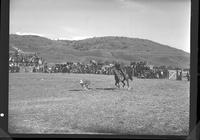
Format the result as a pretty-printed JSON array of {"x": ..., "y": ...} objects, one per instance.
[
  {"x": 123, "y": 84},
  {"x": 117, "y": 84}
]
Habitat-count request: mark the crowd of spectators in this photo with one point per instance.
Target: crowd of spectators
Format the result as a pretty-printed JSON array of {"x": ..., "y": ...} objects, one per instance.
[
  {"x": 19, "y": 60},
  {"x": 139, "y": 69}
]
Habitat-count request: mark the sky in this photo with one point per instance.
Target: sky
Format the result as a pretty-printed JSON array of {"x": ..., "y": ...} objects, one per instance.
[{"x": 163, "y": 21}]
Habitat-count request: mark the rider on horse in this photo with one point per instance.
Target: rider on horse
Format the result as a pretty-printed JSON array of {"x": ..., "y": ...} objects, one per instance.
[
  {"x": 118, "y": 67},
  {"x": 122, "y": 75}
]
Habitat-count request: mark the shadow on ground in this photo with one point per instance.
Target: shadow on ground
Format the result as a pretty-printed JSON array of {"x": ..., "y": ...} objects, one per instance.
[
  {"x": 94, "y": 89},
  {"x": 105, "y": 88}
]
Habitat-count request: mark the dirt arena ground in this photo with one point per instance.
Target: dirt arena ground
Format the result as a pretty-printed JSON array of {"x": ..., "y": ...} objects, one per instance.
[{"x": 56, "y": 104}]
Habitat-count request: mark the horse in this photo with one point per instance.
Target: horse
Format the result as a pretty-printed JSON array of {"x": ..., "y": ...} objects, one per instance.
[{"x": 122, "y": 75}]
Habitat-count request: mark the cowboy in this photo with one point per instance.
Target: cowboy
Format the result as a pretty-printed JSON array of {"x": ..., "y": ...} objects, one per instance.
[{"x": 118, "y": 67}]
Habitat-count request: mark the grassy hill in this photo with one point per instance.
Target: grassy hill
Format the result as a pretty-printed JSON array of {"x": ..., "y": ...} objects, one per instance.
[{"x": 107, "y": 48}]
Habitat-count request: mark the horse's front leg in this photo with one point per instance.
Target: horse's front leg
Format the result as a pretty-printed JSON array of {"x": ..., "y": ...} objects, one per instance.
[
  {"x": 127, "y": 83},
  {"x": 123, "y": 84}
]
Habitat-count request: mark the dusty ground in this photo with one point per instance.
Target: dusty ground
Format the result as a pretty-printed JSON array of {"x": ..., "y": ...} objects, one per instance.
[{"x": 56, "y": 103}]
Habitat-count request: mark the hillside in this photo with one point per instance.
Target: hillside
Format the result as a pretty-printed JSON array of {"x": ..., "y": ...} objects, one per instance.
[{"x": 108, "y": 48}]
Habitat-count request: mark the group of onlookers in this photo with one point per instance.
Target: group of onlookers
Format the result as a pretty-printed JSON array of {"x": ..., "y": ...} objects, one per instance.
[
  {"x": 17, "y": 61},
  {"x": 139, "y": 69}
]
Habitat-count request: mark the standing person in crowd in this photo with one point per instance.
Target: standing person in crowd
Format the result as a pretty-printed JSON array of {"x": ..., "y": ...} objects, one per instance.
[{"x": 188, "y": 76}]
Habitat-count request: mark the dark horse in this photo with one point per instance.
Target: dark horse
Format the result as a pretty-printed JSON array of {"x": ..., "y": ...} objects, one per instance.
[{"x": 122, "y": 75}]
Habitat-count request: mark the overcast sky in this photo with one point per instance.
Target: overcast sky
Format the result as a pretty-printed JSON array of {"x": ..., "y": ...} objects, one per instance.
[{"x": 164, "y": 21}]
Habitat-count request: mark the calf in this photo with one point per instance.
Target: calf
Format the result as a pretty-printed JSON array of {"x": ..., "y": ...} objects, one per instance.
[{"x": 84, "y": 84}]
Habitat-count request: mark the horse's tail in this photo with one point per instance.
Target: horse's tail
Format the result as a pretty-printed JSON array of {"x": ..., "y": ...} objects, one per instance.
[{"x": 130, "y": 77}]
